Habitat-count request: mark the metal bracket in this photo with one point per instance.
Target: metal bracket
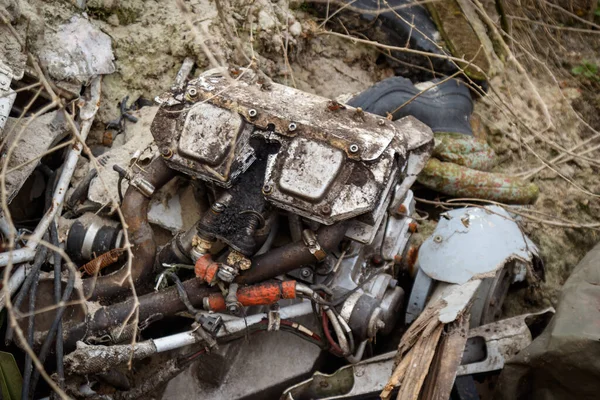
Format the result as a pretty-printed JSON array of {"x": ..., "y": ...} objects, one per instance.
[{"x": 498, "y": 342}]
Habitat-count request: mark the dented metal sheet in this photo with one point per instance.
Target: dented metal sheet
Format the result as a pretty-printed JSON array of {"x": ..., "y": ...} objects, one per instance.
[
  {"x": 490, "y": 346},
  {"x": 473, "y": 242},
  {"x": 352, "y": 381}
]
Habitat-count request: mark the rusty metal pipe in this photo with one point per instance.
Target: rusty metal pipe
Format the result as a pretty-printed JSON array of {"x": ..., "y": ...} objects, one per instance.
[
  {"x": 111, "y": 318},
  {"x": 135, "y": 212},
  {"x": 284, "y": 259},
  {"x": 167, "y": 302}
]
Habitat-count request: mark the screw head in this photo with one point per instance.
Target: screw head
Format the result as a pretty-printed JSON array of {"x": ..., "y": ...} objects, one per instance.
[
  {"x": 438, "y": 239},
  {"x": 381, "y": 122},
  {"x": 192, "y": 92},
  {"x": 353, "y": 148},
  {"x": 166, "y": 153},
  {"x": 305, "y": 273},
  {"x": 326, "y": 209},
  {"x": 292, "y": 126},
  {"x": 252, "y": 113},
  {"x": 267, "y": 189}
]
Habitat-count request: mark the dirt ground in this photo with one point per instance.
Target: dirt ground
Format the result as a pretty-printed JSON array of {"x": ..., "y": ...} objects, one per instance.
[{"x": 151, "y": 39}]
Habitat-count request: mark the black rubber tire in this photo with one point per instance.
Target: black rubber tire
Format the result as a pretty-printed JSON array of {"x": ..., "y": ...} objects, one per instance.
[{"x": 446, "y": 107}]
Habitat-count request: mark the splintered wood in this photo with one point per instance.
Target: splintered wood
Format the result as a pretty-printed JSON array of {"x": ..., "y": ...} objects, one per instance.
[
  {"x": 448, "y": 356},
  {"x": 428, "y": 357}
]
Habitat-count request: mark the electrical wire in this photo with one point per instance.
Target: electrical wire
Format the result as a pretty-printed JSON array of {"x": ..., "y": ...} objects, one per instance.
[
  {"x": 56, "y": 327},
  {"x": 60, "y": 368},
  {"x": 28, "y": 368},
  {"x": 40, "y": 257},
  {"x": 339, "y": 331},
  {"x": 183, "y": 296},
  {"x": 285, "y": 326},
  {"x": 341, "y": 328},
  {"x": 346, "y": 327},
  {"x": 334, "y": 346}
]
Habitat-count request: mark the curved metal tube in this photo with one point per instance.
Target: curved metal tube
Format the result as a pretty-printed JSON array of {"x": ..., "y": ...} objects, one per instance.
[
  {"x": 152, "y": 305},
  {"x": 291, "y": 256},
  {"x": 135, "y": 212}
]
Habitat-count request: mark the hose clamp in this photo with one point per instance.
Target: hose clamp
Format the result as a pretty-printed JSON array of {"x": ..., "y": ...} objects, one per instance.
[
  {"x": 310, "y": 240},
  {"x": 143, "y": 186},
  {"x": 274, "y": 318}
]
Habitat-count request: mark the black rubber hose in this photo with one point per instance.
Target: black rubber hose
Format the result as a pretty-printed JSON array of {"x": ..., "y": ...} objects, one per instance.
[
  {"x": 55, "y": 330},
  {"x": 56, "y": 327},
  {"x": 38, "y": 260},
  {"x": 27, "y": 369},
  {"x": 60, "y": 368}
]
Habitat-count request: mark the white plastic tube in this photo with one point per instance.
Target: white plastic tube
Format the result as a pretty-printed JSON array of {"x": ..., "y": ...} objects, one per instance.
[{"x": 230, "y": 327}]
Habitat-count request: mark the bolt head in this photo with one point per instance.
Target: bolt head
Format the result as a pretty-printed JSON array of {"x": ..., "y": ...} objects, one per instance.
[
  {"x": 353, "y": 148},
  {"x": 252, "y": 113},
  {"x": 233, "y": 309},
  {"x": 438, "y": 239},
  {"x": 292, "y": 126},
  {"x": 305, "y": 273},
  {"x": 166, "y": 153},
  {"x": 326, "y": 210},
  {"x": 267, "y": 189},
  {"x": 381, "y": 122},
  {"x": 192, "y": 92}
]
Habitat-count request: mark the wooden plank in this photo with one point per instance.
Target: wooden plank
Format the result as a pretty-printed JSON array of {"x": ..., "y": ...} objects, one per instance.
[
  {"x": 416, "y": 373},
  {"x": 442, "y": 373}
]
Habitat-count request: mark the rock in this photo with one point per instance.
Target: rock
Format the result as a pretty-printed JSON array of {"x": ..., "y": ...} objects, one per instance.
[
  {"x": 113, "y": 20},
  {"x": 265, "y": 20},
  {"x": 40, "y": 135},
  {"x": 12, "y": 9},
  {"x": 296, "y": 28},
  {"x": 77, "y": 51}
]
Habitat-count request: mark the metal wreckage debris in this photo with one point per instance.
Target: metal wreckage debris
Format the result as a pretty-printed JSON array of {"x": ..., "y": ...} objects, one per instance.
[
  {"x": 306, "y": 227},
  {"x": 290, "y": 269}
]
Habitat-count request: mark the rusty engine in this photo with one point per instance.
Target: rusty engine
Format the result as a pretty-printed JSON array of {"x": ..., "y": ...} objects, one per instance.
[{"x": 308, "y": 211}]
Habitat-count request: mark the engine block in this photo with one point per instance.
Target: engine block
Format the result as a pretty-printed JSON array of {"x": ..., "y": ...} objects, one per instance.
[{"x": 332, "y": 162}]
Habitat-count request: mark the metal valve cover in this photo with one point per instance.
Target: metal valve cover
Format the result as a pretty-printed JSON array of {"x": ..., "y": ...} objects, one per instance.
[{"x": 334, "y": 162}]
